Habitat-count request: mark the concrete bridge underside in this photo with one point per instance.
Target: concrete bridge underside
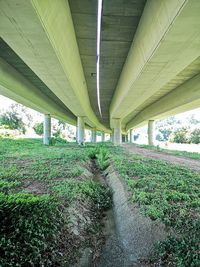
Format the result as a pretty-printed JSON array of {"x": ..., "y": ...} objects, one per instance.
[{"x": 149, "y": 60}]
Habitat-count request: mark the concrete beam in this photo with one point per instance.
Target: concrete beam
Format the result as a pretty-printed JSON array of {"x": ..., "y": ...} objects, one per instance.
[
  {"x": 16, "y": 87},
  {"x": 183, "y": 98},
  {"x": 29, "y": 27},
  {"x": 47, "y": 129},
  {"x": 166, "y": 42}
]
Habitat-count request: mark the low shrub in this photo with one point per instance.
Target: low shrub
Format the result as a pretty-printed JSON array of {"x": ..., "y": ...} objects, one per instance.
[
  {"x": 29, "y": 230},
  {"x": 195, "y": 136}
]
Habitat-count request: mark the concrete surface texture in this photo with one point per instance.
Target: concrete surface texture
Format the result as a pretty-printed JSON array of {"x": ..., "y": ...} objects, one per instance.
[
  {"x": 132, "y": 236},
  {"x": 47, "y": 129},
  {"x": 149, "y": 61}
]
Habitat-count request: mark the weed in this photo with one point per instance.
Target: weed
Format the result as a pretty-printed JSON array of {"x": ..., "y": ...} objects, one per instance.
[
  {"x": 35, "y": 229},
  {"x": 29, "y": 224},
  {"x": 102, "y": 156},
  {"x": 169, "y": 193}
]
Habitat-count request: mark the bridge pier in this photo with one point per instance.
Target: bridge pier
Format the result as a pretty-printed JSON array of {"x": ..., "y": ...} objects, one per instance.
[
  {"x": 131, "y": 136},
  {"x": 94, "y": 135},
  {"x": 117, "y": 132},
  {"x": 47, "y": 129},
  {"x": 112, "y": 136},
  {"x": 80, "y": 130},
  {"x": 151, "y": 132},
  {"x": 102, "y": 137}
]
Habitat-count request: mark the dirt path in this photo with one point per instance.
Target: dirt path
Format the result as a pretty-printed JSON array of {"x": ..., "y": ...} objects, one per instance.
[{"x": 190, "y": 163}]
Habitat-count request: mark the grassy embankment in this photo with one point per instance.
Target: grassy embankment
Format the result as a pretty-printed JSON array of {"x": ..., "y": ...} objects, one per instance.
[
  {"x": 40, "y": 227},
  {"x": 186, "y": 154},
  {"x": 169, "y": 193},
  {"x": 50, "y": 205}
]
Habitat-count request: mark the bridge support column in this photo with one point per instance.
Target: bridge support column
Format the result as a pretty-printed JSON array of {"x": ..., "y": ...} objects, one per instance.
[
  {"x": 47, "y": 129},
  {"x": 117, "y": 132},
  {"x": 94, "y": 135},
  {"x": 151, "y": 132},
  {"x": 112, "y": 136},
  {"x": 131, "y": 136},
  {"x": 102, "y": 137},
  {"x": 80, "y": 130}
]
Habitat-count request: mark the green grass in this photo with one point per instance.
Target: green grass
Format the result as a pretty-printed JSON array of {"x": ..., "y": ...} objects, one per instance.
[
  {"x": 39, "y": 185},
  {"x": 168, "y": 193},
  {"x": 35, "y": 226},
  {"x": 192, "y": 155}
]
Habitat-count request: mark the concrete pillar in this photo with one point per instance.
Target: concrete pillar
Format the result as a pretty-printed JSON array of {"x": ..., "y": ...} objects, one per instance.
[
  {"x": 80, "y": 130},
  {"x": 94, "y": 135},
  {"x": 102, "y": 137},
  {"x": 131, "y": 136},
  {"x": 46, "y": 129},
  {"x": 117, "y": 132},
  {"x": 151, "y": 132},
  {"x": 112, "y": 136}
]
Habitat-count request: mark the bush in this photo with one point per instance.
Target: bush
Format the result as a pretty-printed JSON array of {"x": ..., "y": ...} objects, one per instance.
[
  {"x": 38, "y": 128},
  {"x": 12, "y": 120},
  {"x": 57, "y": 133},
  {"x": 181, "y": 135},
  {"x": 27, "y": 238},
  {"x": 195, "y": 136}
]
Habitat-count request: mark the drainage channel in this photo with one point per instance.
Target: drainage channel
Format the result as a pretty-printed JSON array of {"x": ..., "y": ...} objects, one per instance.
[
  {"x": 112, "y": 253},
  {"x": 129, "y": 236}
]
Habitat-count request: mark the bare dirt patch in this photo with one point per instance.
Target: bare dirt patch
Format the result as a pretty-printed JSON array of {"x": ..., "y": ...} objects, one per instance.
[
  {"x": 35, "y": 187},
  {"x": 186, "y": 162}
]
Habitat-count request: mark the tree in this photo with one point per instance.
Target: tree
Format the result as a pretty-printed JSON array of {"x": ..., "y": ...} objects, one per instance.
[
  {"x": 38, "y": 128},
  {"x": 195, "y": 136},
  {"x": 193, "y": 119},
  {"x": 163, "y": 134},
  {"x": 13, "y": 119},
  {"x": 181, "y": 135},
  {"x": 166, "y": 127}
]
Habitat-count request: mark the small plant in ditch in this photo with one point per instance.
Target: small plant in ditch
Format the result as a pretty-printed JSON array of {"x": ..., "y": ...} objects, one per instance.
[{"x": 101, "y": 154}]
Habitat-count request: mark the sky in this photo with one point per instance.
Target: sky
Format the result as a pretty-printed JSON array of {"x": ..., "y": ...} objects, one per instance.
[{"x": 6, "y": 102}]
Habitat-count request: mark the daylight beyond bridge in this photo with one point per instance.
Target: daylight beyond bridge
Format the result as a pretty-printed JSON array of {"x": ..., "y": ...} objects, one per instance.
[{"x": 149, "y": 60}]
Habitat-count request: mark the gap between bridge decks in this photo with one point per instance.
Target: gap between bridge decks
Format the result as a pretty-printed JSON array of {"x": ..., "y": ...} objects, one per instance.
[{"x": 99, "y": 19}]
